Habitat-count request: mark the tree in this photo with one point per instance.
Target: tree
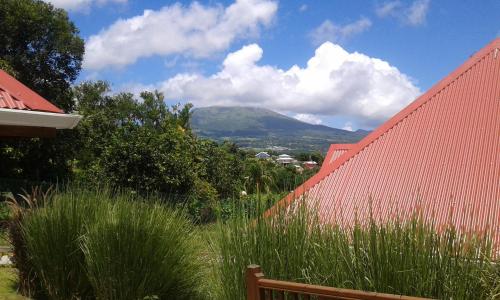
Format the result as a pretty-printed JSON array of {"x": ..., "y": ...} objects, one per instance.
[
  {"x": 314, "y": 156},
  {"x": 133, "y": 144},
  {"x": 40, "y": 46},
  {"x": 259, "y": 176},
  {"x": 148, "y": 147},
  {"x": 221, "y": 166}
]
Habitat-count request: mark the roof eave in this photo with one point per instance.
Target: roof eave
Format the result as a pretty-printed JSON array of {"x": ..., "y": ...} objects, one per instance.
[{"x": 13, "y": 117}]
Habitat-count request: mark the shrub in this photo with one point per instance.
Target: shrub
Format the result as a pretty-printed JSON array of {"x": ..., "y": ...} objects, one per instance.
[
  {"x": 400, "y": 258},
  {"x": 140, "y": 251},
  {"x": 202, "y": 202}
]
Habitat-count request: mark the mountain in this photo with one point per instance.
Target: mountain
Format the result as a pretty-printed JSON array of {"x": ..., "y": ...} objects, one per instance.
[{"x": 260, "y": 128}]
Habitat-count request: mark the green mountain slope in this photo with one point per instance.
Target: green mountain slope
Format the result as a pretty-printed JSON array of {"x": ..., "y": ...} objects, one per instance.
[{"x": 262, "y": 128}]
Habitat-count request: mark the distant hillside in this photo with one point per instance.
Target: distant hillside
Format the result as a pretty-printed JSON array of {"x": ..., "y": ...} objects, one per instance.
[{"x": 262, "y": 128}]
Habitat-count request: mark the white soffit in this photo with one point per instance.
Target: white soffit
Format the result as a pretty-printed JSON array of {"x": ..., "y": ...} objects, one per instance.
[{"x": 14, "y": 117}]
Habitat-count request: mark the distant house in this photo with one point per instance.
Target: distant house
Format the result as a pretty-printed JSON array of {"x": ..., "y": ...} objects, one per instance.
[
  {"x": 310, "y": 164},
  {"x": 285, "y": 159},
  {"x": 262, "y": 155}
]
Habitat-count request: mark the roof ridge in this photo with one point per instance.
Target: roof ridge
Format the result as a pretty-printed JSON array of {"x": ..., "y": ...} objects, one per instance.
[{"x": 385, "y": 127}]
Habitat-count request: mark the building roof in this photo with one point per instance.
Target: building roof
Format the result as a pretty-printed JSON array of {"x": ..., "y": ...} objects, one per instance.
[
  {"x": 262, "y": 154},
  {"x": 15, "y": 95},
  {"x": 439, "y": 156},
  {"x": 25, "y": 113},
  {"x": 334, "y": 152}
]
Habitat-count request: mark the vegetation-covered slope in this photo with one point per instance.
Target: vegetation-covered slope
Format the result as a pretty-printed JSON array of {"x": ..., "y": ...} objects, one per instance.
[{"x": 261, "y": 128}]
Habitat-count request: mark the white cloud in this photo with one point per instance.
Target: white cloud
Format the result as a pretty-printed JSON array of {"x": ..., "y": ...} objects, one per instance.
[
  {"x": 80, "y": 4},
  {"x": 418, "y": 12},
  {"x": 308, "y": 118},
  {"x": 348, "y": 126},
  {"x": 387, "y": 8},
  {"x": 414, "y": 14},
  {"x": 328, "y": 31},
  {"x": 334, "y": 82},
  {"x": 303, "y": 7},
  {"x": 195, "y": 30}
]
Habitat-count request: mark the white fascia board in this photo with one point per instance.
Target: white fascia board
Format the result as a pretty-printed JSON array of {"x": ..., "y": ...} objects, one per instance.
[{"x": 14, "y": 117}]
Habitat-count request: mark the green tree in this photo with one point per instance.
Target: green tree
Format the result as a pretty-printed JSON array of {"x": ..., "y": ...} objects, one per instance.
[
  {"x": 314, "y": 156},
  {"x": 259, "y": 176},
  {"x": 148, "y": 147},
  {"x": 134, "y": 144},
  {"x": 221, "y": 166},
  {"x": 41, "y": 48}
]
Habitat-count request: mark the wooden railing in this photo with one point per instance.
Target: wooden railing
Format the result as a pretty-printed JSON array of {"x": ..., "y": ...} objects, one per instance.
[{"x": 260, "y": 288}]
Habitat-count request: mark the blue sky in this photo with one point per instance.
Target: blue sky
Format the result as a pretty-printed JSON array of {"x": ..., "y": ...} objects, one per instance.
[{"x": 367, "y": 59}]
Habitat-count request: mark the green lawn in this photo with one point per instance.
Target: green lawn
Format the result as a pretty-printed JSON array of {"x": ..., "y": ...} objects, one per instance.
[
  {"x": 8, "y": 276},
  {"x": 8, "y": 279}
]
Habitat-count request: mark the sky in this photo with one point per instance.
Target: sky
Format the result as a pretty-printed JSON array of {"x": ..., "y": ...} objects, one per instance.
[{"x": 347, "y": 64}]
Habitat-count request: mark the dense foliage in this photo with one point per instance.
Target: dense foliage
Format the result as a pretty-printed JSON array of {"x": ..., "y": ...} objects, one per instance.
[
  {"x": 143, "y": 145},
  {"x": 147, "y": 147}
]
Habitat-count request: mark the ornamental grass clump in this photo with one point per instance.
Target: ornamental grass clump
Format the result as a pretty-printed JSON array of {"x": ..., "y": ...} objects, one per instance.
[
  {"x": 98, "y": 244},
  {"x": 404, "y": 258},
  {"x": 142, "y": 250},
  {"x": 20, "y": 208},
  {"x": 52, "y": 235}
]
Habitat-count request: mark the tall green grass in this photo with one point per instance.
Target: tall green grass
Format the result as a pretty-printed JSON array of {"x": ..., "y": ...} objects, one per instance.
[
  {"x": 88, "y": 244},
  {"x": 52, "y": 235},
  {"x": 142, "y": 250},
  {"x": 401, "y": 258}
]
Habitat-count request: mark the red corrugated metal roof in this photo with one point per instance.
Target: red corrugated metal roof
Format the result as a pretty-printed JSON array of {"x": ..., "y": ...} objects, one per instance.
[
  {"x": 334, "y": 152},
  {"x": 440, "y": 156},
  {"x": 15, "y": 95},
  {"x": 6, "y": 101}
]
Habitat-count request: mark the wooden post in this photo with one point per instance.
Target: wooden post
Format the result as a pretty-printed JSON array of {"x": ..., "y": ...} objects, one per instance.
[{"x": 252, "y": 279}]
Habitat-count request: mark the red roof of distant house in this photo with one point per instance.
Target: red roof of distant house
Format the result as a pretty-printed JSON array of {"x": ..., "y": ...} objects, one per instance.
[
  {"x": 15, "y": 95},
  {"x": 440, "y": 156}
]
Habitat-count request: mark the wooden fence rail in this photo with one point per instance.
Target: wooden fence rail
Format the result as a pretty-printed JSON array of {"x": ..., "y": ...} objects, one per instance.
[{"x": 260, "y": 288}]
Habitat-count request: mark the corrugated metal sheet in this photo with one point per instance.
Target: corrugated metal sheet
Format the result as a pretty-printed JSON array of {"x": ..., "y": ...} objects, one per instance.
[
  {"x": 15, "y": 95},
  {"x": 6, "y": 101},
  {"x": 334, "y": 152},
  {"x": 440, "y": 157}
]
